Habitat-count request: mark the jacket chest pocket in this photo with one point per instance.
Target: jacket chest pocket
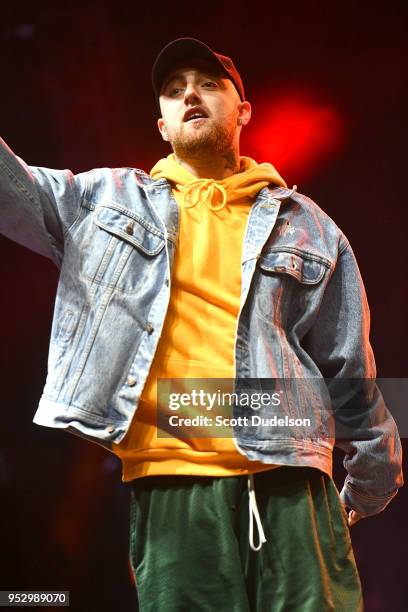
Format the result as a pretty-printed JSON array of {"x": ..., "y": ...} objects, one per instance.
[
  {"x": 122, "y": 251},
  {"x": 287, "y": 284}
]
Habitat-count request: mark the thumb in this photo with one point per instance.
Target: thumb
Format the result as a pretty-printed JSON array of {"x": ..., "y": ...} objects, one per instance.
[{"x": 353, "y": 517}]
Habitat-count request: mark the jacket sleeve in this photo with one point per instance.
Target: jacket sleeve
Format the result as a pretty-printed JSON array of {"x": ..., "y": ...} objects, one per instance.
[
  {"x": 38, "y": 205},
  {"x": 365, "y": 429}
]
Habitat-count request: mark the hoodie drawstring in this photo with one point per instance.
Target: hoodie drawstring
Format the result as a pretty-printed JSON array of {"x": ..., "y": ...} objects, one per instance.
[
  {"x": 254, "y": 512},
  {"x": 204, "y": 189}
]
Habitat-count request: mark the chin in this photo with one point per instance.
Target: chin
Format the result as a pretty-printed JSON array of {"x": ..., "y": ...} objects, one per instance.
[
  {"x": 194, "y": 144},
  {"x": 200, "y": 140}
]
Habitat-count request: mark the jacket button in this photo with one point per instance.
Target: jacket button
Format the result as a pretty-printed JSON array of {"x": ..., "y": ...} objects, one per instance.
[
  {"x": 149, "y": 328},
  {"x": 129, "y": 228},
  {"x": 131, "y": 381},
  {"x": 110, "y": 428}
]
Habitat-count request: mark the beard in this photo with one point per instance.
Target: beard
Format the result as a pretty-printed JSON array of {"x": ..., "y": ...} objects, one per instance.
[{"x": 193, "y": 143}]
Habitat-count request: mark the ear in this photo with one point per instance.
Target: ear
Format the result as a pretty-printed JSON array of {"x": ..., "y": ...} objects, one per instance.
[
  {"x": 162, "y": 129},
  {"x": 244, "y": 112}
]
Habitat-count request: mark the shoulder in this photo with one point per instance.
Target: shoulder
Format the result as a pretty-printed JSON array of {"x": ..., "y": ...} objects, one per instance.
[
  {"x": 302, "y": 217},
  {"x": 122, "y": 174},
  {"x": 302, "y": 208},
  {"x": 118, "y": 184}
]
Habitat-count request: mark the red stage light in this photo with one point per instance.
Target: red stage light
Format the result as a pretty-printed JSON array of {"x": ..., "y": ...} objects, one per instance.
[{"x": 295, "y": 133}]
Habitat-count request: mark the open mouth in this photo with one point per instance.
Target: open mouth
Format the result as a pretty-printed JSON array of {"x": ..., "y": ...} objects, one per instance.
[
  {"x": 194, "y": 114},
  {"x": 195, "y": 120}
]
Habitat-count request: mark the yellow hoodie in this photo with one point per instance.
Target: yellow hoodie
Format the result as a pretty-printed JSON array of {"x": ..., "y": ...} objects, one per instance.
[{"x": 197, "y": 339}]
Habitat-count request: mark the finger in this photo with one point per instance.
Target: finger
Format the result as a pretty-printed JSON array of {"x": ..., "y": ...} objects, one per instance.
[{"x": 353, "y": 517}]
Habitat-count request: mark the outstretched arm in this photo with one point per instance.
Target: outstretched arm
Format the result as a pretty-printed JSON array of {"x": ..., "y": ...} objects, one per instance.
[{"x": 38, "y": 205}]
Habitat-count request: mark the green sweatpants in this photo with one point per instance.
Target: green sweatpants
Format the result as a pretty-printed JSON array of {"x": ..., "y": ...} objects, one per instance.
[{"x": 190, "y": 552}]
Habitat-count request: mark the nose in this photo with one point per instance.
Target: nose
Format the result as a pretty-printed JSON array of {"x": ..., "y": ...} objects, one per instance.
[{"x": 191, "y": 94}]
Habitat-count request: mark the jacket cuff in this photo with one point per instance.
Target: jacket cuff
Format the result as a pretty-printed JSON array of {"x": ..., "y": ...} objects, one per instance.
[{"x": 364, "y": 504}]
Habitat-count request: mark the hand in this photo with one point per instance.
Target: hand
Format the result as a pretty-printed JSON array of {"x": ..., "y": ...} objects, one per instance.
[{"x": 353, "y": 517}]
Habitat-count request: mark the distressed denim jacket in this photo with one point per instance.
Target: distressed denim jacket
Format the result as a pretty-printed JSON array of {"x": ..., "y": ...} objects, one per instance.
[{"x": 303, "y": 315}]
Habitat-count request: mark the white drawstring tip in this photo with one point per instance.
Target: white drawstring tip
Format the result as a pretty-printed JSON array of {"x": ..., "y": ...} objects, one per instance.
[
  {"x": 292, "y": 191},
  {"x": 254, "y": 512}
]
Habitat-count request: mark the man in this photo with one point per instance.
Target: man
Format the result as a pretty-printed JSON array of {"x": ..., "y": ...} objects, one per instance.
[{"x": 211, "y": 268}]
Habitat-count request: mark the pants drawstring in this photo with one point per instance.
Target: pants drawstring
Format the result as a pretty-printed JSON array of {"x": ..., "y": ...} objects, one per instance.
[{"x": 254, "y": 512}]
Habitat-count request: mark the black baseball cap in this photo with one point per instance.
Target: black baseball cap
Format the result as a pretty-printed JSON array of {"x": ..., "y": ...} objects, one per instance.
[{"x": 191, "y": 48}]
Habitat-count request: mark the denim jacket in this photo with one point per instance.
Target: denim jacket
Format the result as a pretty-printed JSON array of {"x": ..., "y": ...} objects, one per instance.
[{"x": 303, "y": 314}]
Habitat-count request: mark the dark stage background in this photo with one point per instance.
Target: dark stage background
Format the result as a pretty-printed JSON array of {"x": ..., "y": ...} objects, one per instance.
[{"x": 326, "y": 81}]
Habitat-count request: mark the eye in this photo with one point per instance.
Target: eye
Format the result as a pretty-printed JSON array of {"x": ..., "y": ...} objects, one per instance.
[
  {"x": 175, "y": 91},
  {"x": 210, "y": 84}
]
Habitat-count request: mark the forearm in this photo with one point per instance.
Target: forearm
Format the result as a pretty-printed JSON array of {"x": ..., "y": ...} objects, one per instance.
[
  {"x": 37, "y": 205},
  {"x": 365, "y": 430}
]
